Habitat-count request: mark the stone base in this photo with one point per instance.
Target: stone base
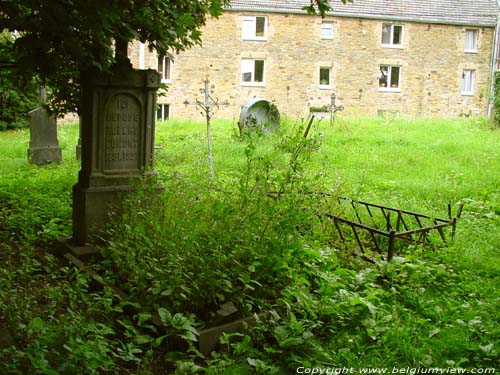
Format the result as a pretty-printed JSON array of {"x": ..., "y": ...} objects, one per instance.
[
  {"x": 82, "y": 252},
  {"x": 94, "y": 208},
  {"x": 44, "y": 155}
]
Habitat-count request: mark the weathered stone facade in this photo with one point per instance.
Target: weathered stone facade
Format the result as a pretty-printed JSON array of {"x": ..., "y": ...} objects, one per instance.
[{"x": 431, "y": 61}]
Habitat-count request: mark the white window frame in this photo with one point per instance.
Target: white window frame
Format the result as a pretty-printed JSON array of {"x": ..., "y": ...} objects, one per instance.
[
  {"x": 391, "y": 36},
  {"x": 327, "y": 30},
  {"x": 161, "y": 109},
  {"x": 163, "y": 73},
  {"x": 468, "y": 76},
  {"x": 248, "y": 67},
  {"x": 389, "y": 76},
  {"x": 475, "y": 37},
  {"x": 329, "y": 85},
  {"x": 249, "y": 28}
]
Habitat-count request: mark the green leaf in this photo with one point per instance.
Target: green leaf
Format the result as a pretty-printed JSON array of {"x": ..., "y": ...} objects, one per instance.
[
  {"x": 36, "y": 324},
  {"x": 165, "y": 316}
]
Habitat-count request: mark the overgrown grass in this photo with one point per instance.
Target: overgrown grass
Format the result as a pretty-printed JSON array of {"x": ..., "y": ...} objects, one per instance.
[{"x": 253, "y": 236}]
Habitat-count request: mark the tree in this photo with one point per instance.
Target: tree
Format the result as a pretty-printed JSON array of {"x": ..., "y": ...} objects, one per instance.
[
  {"x": 18, "y": 90},
  {"x": 60, "y": 40}
]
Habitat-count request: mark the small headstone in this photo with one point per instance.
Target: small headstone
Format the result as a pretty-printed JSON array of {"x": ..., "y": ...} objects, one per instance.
[
  {"x": 259, "y": 114},
  {"x": 44, "y": 147}
]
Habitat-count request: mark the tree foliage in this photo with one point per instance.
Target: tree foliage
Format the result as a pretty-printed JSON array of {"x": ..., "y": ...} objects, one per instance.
[
  {"x": 18, "y": 90},
  {"x": 496, "y": 100},
  {"x": 61, "y": 39}
]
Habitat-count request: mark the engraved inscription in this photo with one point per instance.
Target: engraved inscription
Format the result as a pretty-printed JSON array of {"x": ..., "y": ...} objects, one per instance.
[{"x": 121, "y": 133}]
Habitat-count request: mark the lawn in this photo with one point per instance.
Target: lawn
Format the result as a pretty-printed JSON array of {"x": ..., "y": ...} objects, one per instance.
[{"x": 254, "y": 235}]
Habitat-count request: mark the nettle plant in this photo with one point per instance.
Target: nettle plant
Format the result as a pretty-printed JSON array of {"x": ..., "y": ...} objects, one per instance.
[{"x": 199, "y": 245}]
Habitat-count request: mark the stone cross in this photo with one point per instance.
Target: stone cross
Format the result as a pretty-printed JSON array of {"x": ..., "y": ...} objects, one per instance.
[{"x": 207, "y": 106}]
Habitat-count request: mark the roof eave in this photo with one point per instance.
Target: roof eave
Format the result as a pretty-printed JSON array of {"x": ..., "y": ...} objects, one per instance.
[{"x": 369, "y": 16}]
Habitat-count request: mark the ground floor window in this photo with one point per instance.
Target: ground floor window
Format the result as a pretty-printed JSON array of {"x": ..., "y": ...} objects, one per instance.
[
  {"x": 390, "y": 77},
  {"x": 163, "y": 112},
  {"x": 324, "y": 78},
  {"x": 252, "y": 72},
  {"x": 467, "y": 82}
]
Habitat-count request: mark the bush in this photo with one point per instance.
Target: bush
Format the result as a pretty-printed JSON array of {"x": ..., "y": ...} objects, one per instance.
[{"x": 496, "y": 113}]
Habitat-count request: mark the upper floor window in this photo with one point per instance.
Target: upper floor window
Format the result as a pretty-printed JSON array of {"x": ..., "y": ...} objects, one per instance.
[
  {"x": 252, "y": 72},
  {"x": 165, "y": 68},
  {"x": 467, "y": 82},
  {"x": 324, "y": 78},
  {"x": 392, "y": 35},
  {"x": 471, "y": 40},
  {"x": 327, "y": 30},
  {"x": 390, "y": 77},
  {"x": 254, "y": 28}
]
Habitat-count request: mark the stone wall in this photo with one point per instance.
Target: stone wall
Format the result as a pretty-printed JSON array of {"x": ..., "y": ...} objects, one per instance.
[{"x": 432, "y": 60}]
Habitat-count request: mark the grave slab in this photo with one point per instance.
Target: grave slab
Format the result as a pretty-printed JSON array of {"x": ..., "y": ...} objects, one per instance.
[{"x": 44, "y": 146}]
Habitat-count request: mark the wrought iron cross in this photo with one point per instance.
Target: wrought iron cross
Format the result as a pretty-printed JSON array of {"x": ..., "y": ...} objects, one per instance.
[
  {"x": 207, "y": 106},
  {"x": 334, "y": 108}
]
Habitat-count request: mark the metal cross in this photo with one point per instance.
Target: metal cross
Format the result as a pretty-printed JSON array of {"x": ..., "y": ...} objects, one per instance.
[
  {"x": 334, "y": 108},
  {"x": 207, "y": 107}
]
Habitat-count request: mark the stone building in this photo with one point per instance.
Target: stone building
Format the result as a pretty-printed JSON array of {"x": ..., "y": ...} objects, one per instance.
[{"x": 417, "y": 58}]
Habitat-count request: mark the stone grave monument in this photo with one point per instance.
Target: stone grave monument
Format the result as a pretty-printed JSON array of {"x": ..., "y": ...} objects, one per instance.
[
  {"x": 259, "y": 114},
  {"x": 44, "y": 146},
  {"x": 117, "y": 144}
]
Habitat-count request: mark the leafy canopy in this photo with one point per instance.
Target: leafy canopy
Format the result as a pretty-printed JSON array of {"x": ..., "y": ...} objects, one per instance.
[{"x": 58, "y": 40}]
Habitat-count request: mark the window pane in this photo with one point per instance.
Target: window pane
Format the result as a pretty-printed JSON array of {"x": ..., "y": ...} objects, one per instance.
[
  {"x": 259, "y": 71},
  {"x": 467, "y": 77},
  {"x": 161, "y": 67},
  {"x": 248, "y": 27},
  {"x": 395, "y": 76},
  {"x": 168, "y": 62},
  {"x": 246, "y": 70},
  {"x": 397, "y": 32},
  {"x": 159, "y": 114},
  {"x": 324, "y": 76},
  {"x": 260, "y": 26},
  {"x": 386, "y": 34},
  {"x": 326, "y": 30},
  {"x": 384, "y": 72},
  {"x": 470, "y": 40}
]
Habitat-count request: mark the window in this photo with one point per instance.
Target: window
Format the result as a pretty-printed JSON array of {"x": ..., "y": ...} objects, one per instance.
[
  {"x": 467, "y": 82},
  {"x": 392, "y": 35},
  {"x": 254, "y": 28},
  {"x": 324, "y": 78},
  {"x": 252, "y": 72},
  {"x": 389, "y": 79},
  {"x": 471, "y": 40},
  {"x": 327, "y": 30},
  {"x": 165, "y": 68},
  {"x": 163, "y": 112}
]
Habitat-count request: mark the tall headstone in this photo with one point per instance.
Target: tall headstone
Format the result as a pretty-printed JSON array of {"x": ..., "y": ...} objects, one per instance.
[
  {"x": 44, "y": 146},
  {"x": 117, "y": 139}
]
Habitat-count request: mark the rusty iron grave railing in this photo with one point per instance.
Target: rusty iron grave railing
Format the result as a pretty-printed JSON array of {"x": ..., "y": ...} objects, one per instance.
[{"x": 375, "y": 226}]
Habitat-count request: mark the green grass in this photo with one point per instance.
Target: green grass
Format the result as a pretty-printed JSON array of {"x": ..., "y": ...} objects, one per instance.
[{"x": 201, "y": 245}]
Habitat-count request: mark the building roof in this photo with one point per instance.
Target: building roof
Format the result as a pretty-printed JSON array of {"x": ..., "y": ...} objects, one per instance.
[{"x": 459, "y": 12}]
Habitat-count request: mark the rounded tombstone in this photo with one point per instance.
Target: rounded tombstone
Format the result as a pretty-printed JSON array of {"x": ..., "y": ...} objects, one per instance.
[{"x": 259, "y": 114}]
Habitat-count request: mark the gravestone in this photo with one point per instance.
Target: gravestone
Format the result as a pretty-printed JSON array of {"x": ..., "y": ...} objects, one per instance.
[
  {"x": 117, "y": 145},
  {"x": 259, "y": 114},
  {"x": 44, "y": 147}
]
